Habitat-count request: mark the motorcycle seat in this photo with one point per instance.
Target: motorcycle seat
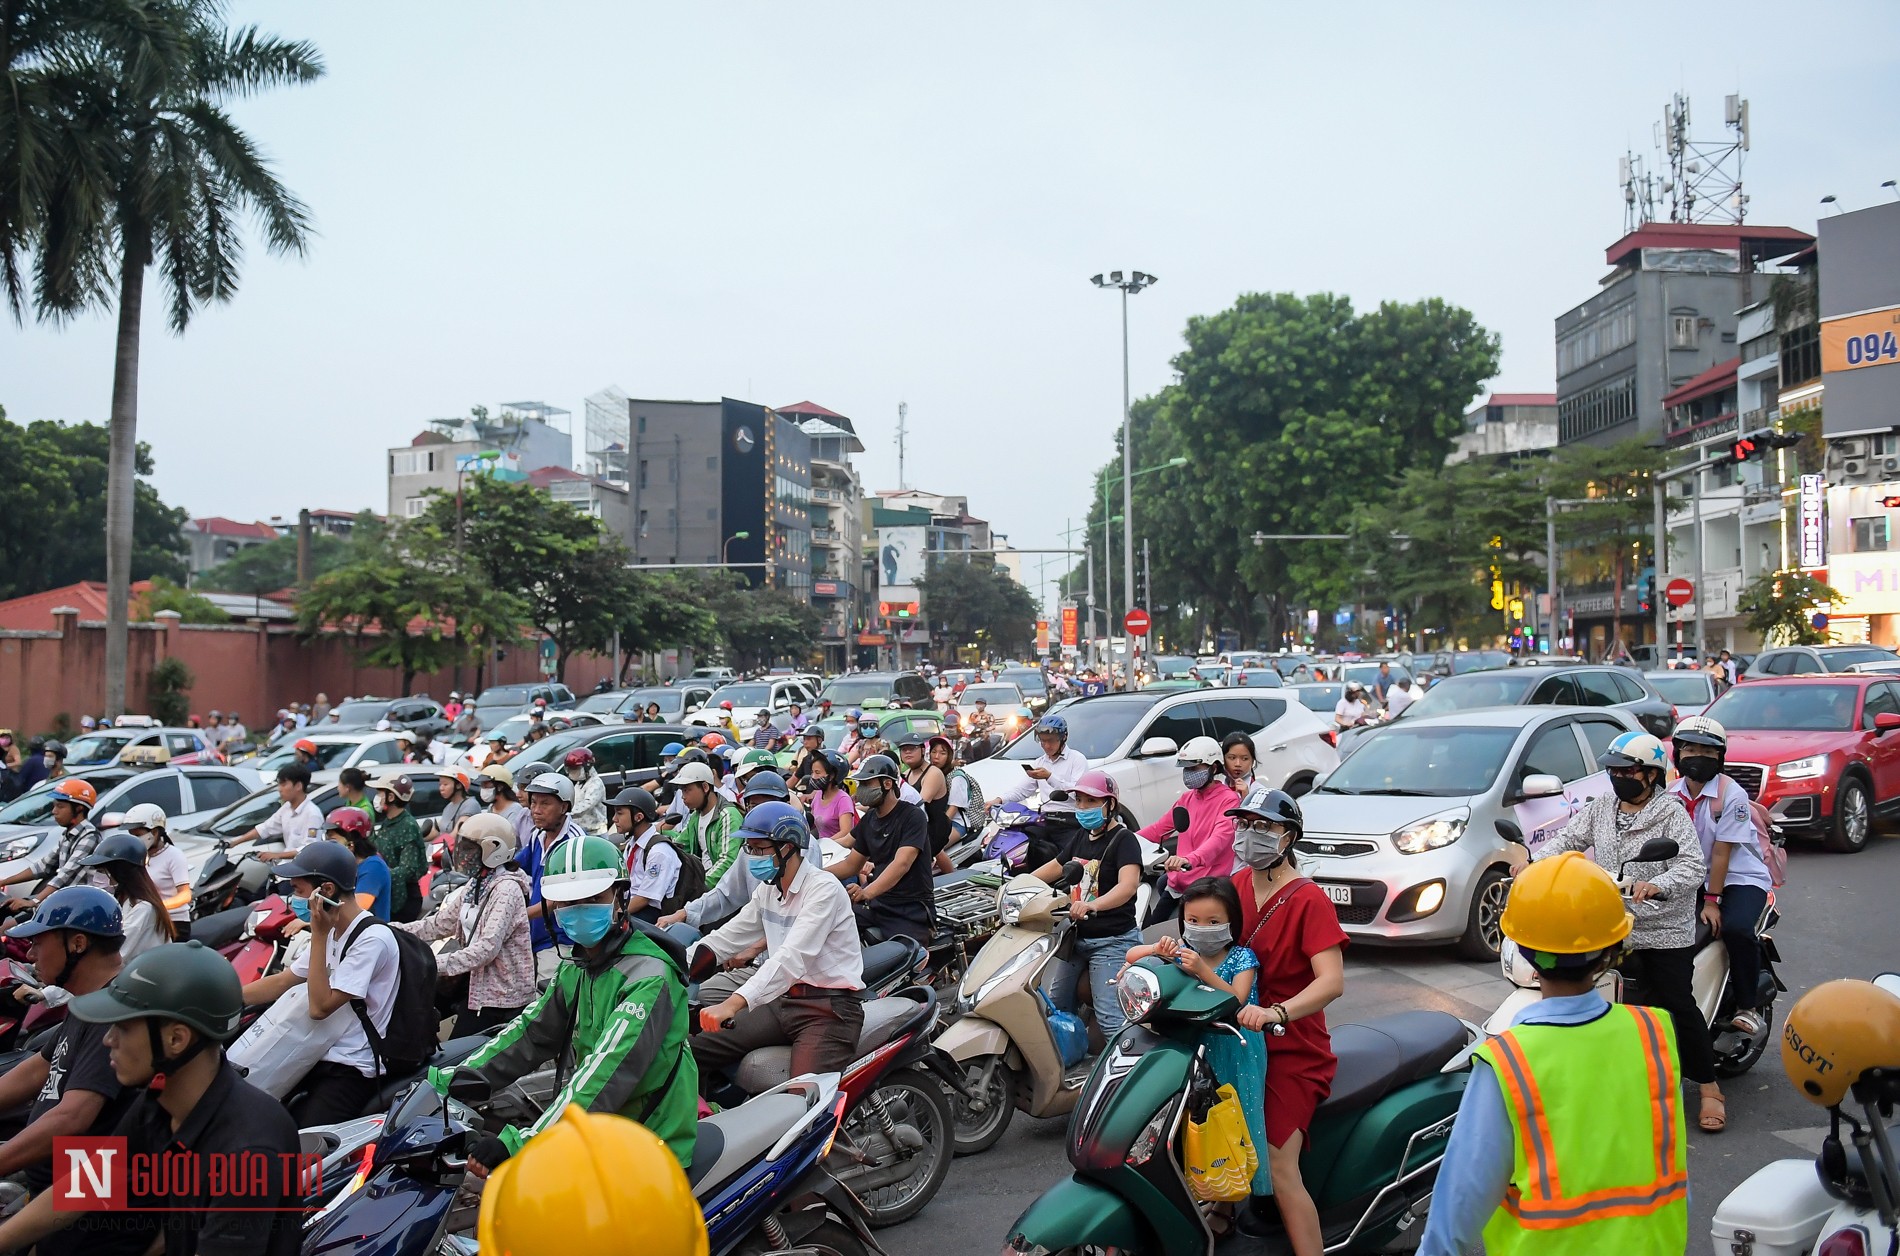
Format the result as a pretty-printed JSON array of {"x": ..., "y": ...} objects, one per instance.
[
  {"x": 729, "y": 1141},
  {"x": 883, "y": 960},
  {"x": 450, "y": 1053},
  {"x": 767, "y": 1067},
  {"x": 1379, "y": 1056},
  {"x": 221, "y": 928}
]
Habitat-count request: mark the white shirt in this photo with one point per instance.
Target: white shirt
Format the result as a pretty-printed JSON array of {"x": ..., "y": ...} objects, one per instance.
[
  {"x": 653, "y": 872},
  {"x": 810, "y": 936},
  {"x": 1353, "y": 712},
  {"x": 296, "y": 827},
  {"x": 1064, "y": 771},
  {"x": 1397, "y": 699},
  {"x": 371, "y": 972},
  {"x": 906, "y": 792},
  {"x": 170, "y": 873},
  {"x": 141, "y": 931}
]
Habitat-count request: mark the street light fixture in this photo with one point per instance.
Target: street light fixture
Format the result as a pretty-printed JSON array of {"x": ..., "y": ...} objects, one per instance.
[
  {"x": 1136, "y": 281},
  {"x": 725, "y": 551},
  {"x": 1829, "y": 200}
]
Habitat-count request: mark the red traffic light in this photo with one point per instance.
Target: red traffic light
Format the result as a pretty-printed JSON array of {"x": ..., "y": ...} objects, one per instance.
[
  {"x": 1743, "y": 449},
  {"x": 884, "y": 608},
  {"x": 1891, "y": 503}
]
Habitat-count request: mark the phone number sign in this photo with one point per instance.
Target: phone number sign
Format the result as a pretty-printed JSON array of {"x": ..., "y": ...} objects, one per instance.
[{"x": 1857, "y": 341}]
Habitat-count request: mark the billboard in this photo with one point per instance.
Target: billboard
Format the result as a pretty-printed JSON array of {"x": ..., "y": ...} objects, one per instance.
[
  {"x": 1859, "y": 300},
  {"x": 900, "y": 558},
  {"x": 1811, "y": 519},
  {"x": 1069, "y": 633},
  {"x": 1042, "y": 636}
]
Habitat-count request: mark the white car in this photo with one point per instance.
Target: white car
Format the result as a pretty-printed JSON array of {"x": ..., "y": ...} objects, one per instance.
[
  {"x": 27, "y": 830},
  {"x": 335, "y": 751},
  {"x": 1134, "y": 737},
  {"x": 748, "y": 698}
]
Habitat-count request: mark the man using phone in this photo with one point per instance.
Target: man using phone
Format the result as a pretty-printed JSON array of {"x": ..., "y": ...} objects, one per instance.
[
  {"x": 1054, "y": 772},
  {"x": 352, "y": 956}
]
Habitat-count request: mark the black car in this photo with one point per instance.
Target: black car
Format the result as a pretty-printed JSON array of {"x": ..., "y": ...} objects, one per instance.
[
  {"x": 418, "y": 715},
  {"x": 898, "y": 689},
  {"x": 1032, "y": 682},
  {"x": 624, "y": 754}
]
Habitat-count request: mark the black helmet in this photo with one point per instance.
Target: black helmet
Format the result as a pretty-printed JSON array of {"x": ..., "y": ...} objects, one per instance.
[
  {"x": 119, "y": 848},
  {"x": 80, "y": 908},
  {"x": 692, "y": 754},
  {"x": 836, "y": 767},
  {"x": 56, "y": 748},
  {"x": 878, "y": 765},
  {"x": 323, "y": 861},
  {"x": 186, "y": 982},
  {"x": 639, "y": 800},
  {"x": 1270, "y": 804}
]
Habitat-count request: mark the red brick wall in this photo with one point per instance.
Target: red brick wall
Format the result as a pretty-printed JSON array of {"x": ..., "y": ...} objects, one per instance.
[{"x": 249, "y": 668}]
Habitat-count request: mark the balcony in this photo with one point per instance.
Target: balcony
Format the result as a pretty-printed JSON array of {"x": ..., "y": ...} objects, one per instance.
[
  {"x": 830, "y": 495},
  {"x": 822, "y": 535}
]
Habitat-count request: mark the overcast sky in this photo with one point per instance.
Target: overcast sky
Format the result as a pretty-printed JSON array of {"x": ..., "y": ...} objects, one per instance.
[{"x": 867, "y": 204}]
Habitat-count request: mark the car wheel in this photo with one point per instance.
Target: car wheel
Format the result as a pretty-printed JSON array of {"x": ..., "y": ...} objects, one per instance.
[
  {"x": 1853, "y": 818},
  {"x": 1484, "y": 929},
  {"x": 1300, "y": 787}
]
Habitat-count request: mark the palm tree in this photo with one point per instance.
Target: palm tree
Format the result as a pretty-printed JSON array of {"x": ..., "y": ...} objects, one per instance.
[{"x": 118, "y": 156}]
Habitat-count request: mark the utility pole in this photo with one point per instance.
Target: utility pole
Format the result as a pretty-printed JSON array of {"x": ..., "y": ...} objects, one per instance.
[
  {"x": 903, "y": 413},
  {"x": 1660, "y": 609},
  {"x": 1147, "y": 576},
  {"x": 1550, "y": 567}
]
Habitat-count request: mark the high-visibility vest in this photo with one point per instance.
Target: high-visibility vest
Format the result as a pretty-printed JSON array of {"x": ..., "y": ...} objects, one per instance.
[{"x": 1600, "y": 1152}]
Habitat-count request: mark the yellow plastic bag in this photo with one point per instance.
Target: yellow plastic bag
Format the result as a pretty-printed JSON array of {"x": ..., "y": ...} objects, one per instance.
[{"x": 1219, "y": 1157}]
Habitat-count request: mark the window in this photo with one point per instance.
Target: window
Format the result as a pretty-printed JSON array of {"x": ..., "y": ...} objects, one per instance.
[
  {"x": 647, "y": 748},
  {"x": 1682, "y": 331},
  {"x": 1800, "y": 355},
  {"x": 214, "y": 790},
  {"x": 1554, "y": 751},
  {"x": 180, "y": 743},
  {"x": 712, "y": 462},
  {"x": 1804, "y": 662},
  {"x": 1881, "y": 700},
  {"x": 613, "y": 754},
  {"x": 162, "y": 790},
  {"x": 1557, "y": 691},
  {"x": 386, "y": 751},
  {"x": 1778, "y": 664},
  {"x": 1598, "y": 734},
  {"x": 427, "y": 802},
  {"x": 414, "y": 506},
  {"x": 1598, "y": 689},
  {"x": 1872, "y": 534},
  {"x": 640, "y": 422},
  {"x": 1181, "y": 724},
  {"x": 643, "y": 469},
  {"x": 1230, "y": 715},
  {"x": 1627, "y": 686}
]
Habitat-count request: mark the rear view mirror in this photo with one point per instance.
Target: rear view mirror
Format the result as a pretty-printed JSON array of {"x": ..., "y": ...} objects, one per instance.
[
  {"x": 1886, "y": 722},
  {"x": 1179, "y": 818},
  {"x": 1542, "y": 785},
  {"x": 1157, "y": 747},
  {"x": 1656, "y": 850}
]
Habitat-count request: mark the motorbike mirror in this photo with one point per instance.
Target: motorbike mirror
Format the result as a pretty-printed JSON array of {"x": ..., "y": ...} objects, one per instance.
[
  {"x": 1072, "y": 874},
  {"x": 1509, "y": 831},
  {"x": 1059, "y": 795},
  {"x": 704, "y": 964},
  {"x": 1179, "y": 818},
  {"x": 1656, "y": 850}
]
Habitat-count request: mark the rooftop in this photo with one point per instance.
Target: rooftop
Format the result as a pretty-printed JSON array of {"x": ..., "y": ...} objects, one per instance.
[
  {"x": 1707, "y": 384},
  {"x": 1761, "y": 243},
  {"x": 1521, "y": 399},
  {"x": 218, "y": 525}
]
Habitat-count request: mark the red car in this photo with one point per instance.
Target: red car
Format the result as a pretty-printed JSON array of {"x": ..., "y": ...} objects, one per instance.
[{"x": 1822, "y": 753}]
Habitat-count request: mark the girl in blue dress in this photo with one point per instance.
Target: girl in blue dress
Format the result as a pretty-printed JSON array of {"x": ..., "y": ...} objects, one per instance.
[{"x": 1209, "y": 950}]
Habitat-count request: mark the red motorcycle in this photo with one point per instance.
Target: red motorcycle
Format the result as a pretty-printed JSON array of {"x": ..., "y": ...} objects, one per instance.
[{"x": 254, "y": 943}]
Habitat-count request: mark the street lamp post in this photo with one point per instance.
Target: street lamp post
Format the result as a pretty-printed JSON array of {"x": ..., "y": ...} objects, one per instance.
[
  {"x": 1108, "y": 599},
  {"x": 1129, "y": 286},
  {"x": 725, "y": 551}
]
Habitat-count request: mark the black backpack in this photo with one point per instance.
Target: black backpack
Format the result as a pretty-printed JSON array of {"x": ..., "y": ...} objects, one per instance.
[
  {"x": 414, "y": 1024},
  {"x": 692, "y": 878}
]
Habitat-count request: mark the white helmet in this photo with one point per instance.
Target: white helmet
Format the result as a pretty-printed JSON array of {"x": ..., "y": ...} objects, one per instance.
[
  {"x": 694, "y": 774},
  {"x": 1199, "y": 750},
  {"x": 147, "y": 815},
  {"x": 494, "y": 835},
  {"x": 1700, "y": 730}
]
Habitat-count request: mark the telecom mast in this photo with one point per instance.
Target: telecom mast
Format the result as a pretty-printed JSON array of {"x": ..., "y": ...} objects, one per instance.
[{"x": 1704, "y": 179}]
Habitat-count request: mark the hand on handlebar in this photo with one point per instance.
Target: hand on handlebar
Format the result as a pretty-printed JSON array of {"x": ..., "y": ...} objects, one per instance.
[
  {"x": 1712, "y": 917},
  {"x": 1643, "y": 891}
]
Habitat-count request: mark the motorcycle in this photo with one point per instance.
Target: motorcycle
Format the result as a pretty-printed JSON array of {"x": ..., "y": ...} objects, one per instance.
[
  {"x": 1735, "y": 1052},
  {"x": 1844, "y": 1202},
  {"x": 225, "y": 883},
  {"x": 1371, "y": 1162},
  {"x": 251, "y": 936}
]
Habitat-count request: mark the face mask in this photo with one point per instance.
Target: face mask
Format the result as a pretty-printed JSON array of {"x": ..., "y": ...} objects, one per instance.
[
  {"x": 1195, "y": 778},
  {"x": 763, "y": 868},
  {"x": 1700, "y": 768},
  {"x": 300, "y": 908},
  {"x": 1091, "y": 818},
  {"x": 488, "y": 794},
  {"x": 100, "y": 880},
  {"x": 1629, "y": 788},
  {"x": 586, "y": 923},
  {"x": 871, "y": 796},
  {"x": 1208, "y": 940},
  {"x": 1259, "y": 851}
]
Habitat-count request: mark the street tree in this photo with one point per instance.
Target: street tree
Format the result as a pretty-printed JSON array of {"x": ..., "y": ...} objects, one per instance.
[
  {"x": 1779, "y": 607},
  {"x": 266, "y": 568},
  {"x": 973, "y": 601},
  {"x": 1607, "y": 538},
  {"x": 117, "y": 155}
]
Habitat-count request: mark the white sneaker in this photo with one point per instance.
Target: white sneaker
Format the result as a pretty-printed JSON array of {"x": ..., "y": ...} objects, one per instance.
[{"x": 1747, "y": 1022}]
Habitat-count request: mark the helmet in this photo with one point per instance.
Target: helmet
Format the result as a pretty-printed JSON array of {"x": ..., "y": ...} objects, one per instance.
[
  {"x": 578, "y": 757},
  {"x": 875, "y": 766},
  {"x": 764, "y": 716},
  {"x": 726, "y": 705},
  {"x": 1634, "y": 750},
  {"x": 582, "y": 1185},
  {"x": 693, "y": 754},
  {"x": 579, "y": 868},
  {"x": 56, "y": 748},
  {"x": 187, "y": 982},
  {"x": 836, "y": 765},
  {"x": 779, "y": 821},
  {"x": 752, "y": 761},
  {"x": 867, "y": 726},
  {"x": 493, "y": 834},
  {"x": 306, "y": 745},
  {"x": 147, "y": 815},
  {"x": 119, "y": 848},
  {"x": 911, "y": 738},
  {"x": 695, "y": 774},
  {"x": 76, "y": 792},
  {"x": 500, "y": 774},
  {"x": 854, "y": 714},
  {"x": 1053, "y": 724},
  {"x": 639, "y": 800},
  {"x": 766, "y": 785},
  {"x": 540, "y": 702},
  {"x": 812, "y": 730},
  {"x": 1834, "y": 1034},
  {"x": 670, "y": 749},
  {"x": 397, "y": 783},
  {"x": 1096, "y": 784},
  {"x": 1203, "y": 750},
  {"x": 713, "y": 741},
  {"x": 1700, "y": 730},
  {"x": 1565, "y": 905},
  {"x": 352, "y": 822},
  {"x": 1269, "y": 803},
  {"x": 552, "y": 783},
  {"x": 81, "y": 908},
  {"x": 322, "y": 861}
]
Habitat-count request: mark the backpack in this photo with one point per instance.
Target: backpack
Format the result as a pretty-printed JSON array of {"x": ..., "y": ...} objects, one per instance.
[
  {"x": 413, "y": 1022},
  {"x": 1768, "y": 844},
  {"x": 692, "y": 878}
]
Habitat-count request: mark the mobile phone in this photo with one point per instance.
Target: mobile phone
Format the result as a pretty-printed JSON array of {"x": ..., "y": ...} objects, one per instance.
[{"x": 1029, "y": 767}]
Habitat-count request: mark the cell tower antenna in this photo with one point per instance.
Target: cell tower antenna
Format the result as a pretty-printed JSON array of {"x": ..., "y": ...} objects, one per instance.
[
  {"x": 903, "y": 413},
  {"x": 1639, "y": 191},
  {"x": 1704, "y": 183}
]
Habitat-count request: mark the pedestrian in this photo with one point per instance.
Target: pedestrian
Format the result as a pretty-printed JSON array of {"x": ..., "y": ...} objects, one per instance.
[
  {"x": 1730, "y": 666},
  {"x": 653, "y": 713},
  {"x": 215, "y": 731},
  {"x": 1578, "y": 1092},
  {"x": 165, "y": 862},
  {"x": 296, "y": 823},
  {"x": 320, "y": 710},
  {"x": 235, "y": 734},
  {"x": 1205, "y": 848},
  {"x": 892, "y": 837},
  {"x": 1383, "y": 682},
  {"x": 1403, "y": 694},
  {"x": 398, "y": 839},
  {"x": 1102, "y": 907},
  {"x": 1237, "y": 762},
  {"x": 1293, "y": 930},
  {"x": 487, "y": 915},
  {"x": 352, "y": 786}
]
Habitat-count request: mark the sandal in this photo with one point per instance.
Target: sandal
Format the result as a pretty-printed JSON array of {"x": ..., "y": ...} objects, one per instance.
[
  {"x": 1220, "y": 1222},
  {"x": 1716, "y": 1123}
]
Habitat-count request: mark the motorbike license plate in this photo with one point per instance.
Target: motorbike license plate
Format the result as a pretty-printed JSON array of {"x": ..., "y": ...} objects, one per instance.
[{"x": 1341, "y": 895}]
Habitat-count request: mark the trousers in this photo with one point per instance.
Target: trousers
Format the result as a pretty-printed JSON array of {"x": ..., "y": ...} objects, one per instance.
[
  {"x": 822, "y": 1031},
  {"x": 1666, "y": 979},
  {"x": 1741, "y": 910}
]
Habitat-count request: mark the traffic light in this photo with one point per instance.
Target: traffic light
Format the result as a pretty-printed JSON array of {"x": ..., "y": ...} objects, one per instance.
[
  {"x": 1649, "y": 593},
  {"x": 1891, "y": 503},
  {"x": 1744, "y": 448},
  {"x": 897, "y": 610},
  {"x": 1756, "y": 444}
]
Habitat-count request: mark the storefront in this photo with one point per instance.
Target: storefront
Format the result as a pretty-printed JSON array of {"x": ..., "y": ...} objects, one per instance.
[{"x": 1869, "y": 609}]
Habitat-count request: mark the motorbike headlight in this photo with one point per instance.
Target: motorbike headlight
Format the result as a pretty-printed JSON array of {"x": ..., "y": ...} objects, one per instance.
[
  {"x": 1802, "y": 769},
  {"x": 1010, "y": 911},
  {"x": 1416, "y": 839},
  {"x": 1138, "y": 990}
]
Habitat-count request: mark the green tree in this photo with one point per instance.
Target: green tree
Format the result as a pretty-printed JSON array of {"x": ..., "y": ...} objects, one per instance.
[
  {"x": 756, "y": 627},
  {"x": 974, "y": 601},
  {"x": 664, "y": 610},
  {"x": 266, "y": 568},
  {"x": 1779, "y": 606},
  {"x": 117, "y": 155},
  {"x": 49, "y": 514},
  {"x": 168, "y": 691},
  {"x": 1609, "y": 538},
  {"x": 166, "y": 596}
]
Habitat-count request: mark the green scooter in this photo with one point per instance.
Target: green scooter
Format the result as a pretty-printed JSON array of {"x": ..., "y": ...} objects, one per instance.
[{"x": 1370, "y": 1164}]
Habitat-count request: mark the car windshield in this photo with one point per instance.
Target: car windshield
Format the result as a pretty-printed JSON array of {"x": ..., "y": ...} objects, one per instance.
[
  {"x": 1319, "y": 697},
  {"x": 1819, "y": 708},
  {"x": 670, "y": 701},
  {"x": 1841, "y": 660},
  {"x": 1476, "y": 690},
  {"x": 848, "y": 691},
  {"x": 513, "y": 729},
  {"x": 97, "y": 747},
  {"x": 995, "y": 695},
  {"x": 1258, "y": 676},
  {"x": 1172, "y": 665},
  {"x": 602, "y": 703},
  {"x": 361, "y": 712},
  {"x": 329, "y": 754},
  {"x": 505, "y": 696},
  {"x": 1682, "y": 688},
  {"x": 1442, "y": 762},
  {"x": 1097, "y": 726},
  {"x": 35, "y": 806},
  {"x": 1031, "y": 683},
  {"x": 548, "y": 749},
  {"x": 744, "y": 697},
  {"x": 1478, "y": 661}
]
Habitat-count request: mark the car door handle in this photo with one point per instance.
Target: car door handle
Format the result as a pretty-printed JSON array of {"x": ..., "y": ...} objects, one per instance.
[{"x": 1277, "y": 749}]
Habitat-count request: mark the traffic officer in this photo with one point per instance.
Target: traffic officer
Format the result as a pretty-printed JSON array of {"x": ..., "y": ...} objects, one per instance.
[{"x": 1570, "y": 1135}]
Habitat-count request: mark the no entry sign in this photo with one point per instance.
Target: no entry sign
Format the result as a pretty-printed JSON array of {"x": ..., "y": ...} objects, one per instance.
[
  {"x": 1136, "y": 623},
  {"x": 1678, "y": 592}
]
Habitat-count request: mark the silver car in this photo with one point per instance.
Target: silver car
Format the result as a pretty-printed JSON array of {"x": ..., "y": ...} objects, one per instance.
[{"x": 1403, "y": 835}]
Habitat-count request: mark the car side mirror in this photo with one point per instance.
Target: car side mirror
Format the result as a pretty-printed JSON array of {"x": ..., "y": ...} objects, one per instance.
[
  {"x": 1156, "y": 747},
  {"x": 112, "y": 819},
  {"x": 1542, "y": 785},
  {"x": 1886, "y": 722}
]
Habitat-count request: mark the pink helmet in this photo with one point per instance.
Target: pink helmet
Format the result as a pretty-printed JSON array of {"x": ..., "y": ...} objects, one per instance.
[{"x": 1097, "y": 784}]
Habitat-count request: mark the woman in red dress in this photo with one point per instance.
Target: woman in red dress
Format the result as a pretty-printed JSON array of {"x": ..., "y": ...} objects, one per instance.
[{"x": 1292, "y": 929}]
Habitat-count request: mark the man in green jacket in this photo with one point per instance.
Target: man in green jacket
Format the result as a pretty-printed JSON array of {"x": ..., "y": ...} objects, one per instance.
[
  {"x": 399, "y": 841},
  {"x": 712, "y": 824},
  {"x": 613, "y": 1018}
]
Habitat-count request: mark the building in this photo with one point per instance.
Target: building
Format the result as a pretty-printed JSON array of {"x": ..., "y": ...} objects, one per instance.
[
  {"x": 908, "y": 531},
  {"x": 1507, "y": 425},
  {"x": 34, "y": 612},
  {"x": 213, "y": 539},
  {"x": 836, "y": 519},
  {"x": 590, "y": 494},
  {"x": 721, "y": 482},
  {"x": 519, "y": 440},
  {"x": 338, "y": 523}
]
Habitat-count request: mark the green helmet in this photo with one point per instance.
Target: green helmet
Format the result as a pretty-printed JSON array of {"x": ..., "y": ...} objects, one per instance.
[
  {"x": 752, "y": 760},
  {"x": 186, "y": 982},
  {"x": 580, "y": 868}
]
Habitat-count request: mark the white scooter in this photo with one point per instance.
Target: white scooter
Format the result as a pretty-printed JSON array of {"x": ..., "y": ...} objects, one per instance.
[
  {"x": 1735, "y": 1051},
  {"x": 1844, "y": 1202}
]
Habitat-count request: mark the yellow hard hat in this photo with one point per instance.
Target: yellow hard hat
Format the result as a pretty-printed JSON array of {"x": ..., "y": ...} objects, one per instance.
[
  {"x": 588, "y": 1183},
  {"x": 1838, "y": 1031},
  {"x": 1565, "y": 905}
]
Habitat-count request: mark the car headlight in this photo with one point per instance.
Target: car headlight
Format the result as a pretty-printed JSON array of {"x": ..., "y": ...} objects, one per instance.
[
  {"x": 1802, "y": 769},
  {"x": 20, "y": 848},
  {"x": 1137, "y": 990},
  {"x": 1416, "y": 839}
]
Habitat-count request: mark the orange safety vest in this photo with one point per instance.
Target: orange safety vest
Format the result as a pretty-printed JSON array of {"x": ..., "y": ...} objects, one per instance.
[{"x": 1601, "y": 1152}]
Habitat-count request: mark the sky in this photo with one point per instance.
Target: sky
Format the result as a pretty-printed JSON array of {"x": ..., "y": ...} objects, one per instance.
[{"x": 863, "y": 205}]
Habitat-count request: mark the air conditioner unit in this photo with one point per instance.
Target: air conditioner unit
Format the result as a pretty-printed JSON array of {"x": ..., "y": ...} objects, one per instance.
[
  {"x": 1854, "y": 467},
  {"x": 1890, "y": 465},
  {"x": 1853, "y": 448}
]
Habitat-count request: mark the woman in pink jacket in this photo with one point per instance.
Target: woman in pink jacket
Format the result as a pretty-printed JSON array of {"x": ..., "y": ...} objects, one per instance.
[{"x": 1206, "y": 847}]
